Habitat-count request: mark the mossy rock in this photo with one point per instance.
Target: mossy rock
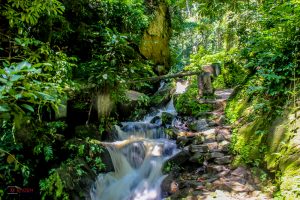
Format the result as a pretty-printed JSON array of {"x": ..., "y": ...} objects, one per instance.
[
  {"x": 187, "y": 103},
  {"x": 163, "y": 96}
]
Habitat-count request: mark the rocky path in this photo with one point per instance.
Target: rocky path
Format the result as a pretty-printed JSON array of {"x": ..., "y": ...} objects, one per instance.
[{"x": 208, "y": 173}]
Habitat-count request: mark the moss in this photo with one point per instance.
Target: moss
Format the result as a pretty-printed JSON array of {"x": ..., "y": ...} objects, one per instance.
[
  {"x": 188, "y": 104},
  {"x": 261, "y": 138},
  {"x": 163, "y": 96},
  {"x": 249, "y": 143},
  {"x": 155, "y": 42}
]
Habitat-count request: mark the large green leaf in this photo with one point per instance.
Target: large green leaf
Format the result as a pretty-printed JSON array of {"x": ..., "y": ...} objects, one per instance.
[
  {"x": 2, "y": 80},
  {"x": 4, "y": 108},
  {"x": 28, "y": 107},
  {"x": 46, "y": 96}
]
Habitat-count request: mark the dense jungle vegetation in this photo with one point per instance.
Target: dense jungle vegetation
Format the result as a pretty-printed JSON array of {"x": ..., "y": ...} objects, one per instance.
[{"x": 58, "y": 55}]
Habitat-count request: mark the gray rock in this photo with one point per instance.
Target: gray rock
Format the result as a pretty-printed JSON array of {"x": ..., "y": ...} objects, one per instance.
[
  {"x": 215, "y": 155},
  {"x": 201, "y": 148},
  {"x": 224, "y": 146},
  {"x": 183, "y": 141},
  {"x": 198, "y": 158},
  {"x": 223, "y": 160},
  {"x": 179, "y": 158},
  {"x": 210, "y": 135},
  {"x": 213, "y": 169},
  {"x": 198, "y": 125},
  {"x": 213, "y": 146}
]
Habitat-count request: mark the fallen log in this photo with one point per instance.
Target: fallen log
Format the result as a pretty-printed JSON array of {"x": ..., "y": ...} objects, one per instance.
[{"x": 162, "y": 77}]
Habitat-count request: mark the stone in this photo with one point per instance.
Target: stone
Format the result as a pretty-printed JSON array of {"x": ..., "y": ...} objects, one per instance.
[
  {"x": 179, "y": 158},
  {"x": 223, "y": 160},
  {"x": 240, "y": 172},
  {"x": 183, "y": 141},
  {"x": 216, "y": 168},
  {"x": 198, "y": 125},
  {"x": 155, "y": 41},
  {"x": 201, "y": 148},
  {"x": 223, "y": 173},
  {"x": 223, "y": 134},
  {"x": 213, "y": 146},
  {"x": 198, "y": 158},
  {"x": 215, "y": 155},
  {"x": 224, "y": 146},
  {"x": 163, "y": 96},
  {"x": 192, "y": 183},
  {"x": 209, "y": 135},
  {"x": 199, "y": 139}
]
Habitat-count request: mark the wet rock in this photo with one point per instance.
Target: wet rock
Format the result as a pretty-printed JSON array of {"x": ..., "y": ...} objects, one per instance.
[
  {"x": 223, "y": 160},
  {"x": 198, "y": 125},
  {"x": 171, "y": 133},
  {"x": 197, "y": 158},
  {"x": 201, "y": 148},
  {"x": 163, "y": 96},
  {"x": 179, "y": 158},
  {"x": 169, "y": 185}
]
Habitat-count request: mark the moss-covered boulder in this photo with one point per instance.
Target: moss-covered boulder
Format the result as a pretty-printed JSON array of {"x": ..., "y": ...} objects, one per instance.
[
  {"x": 163, "y": 95},
  {"x": 155, "y": 41},
  {"x": 188, "y": 103}
]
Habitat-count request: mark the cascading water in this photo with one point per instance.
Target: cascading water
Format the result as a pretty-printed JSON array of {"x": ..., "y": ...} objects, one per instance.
[{"x": 138, "y": 156}]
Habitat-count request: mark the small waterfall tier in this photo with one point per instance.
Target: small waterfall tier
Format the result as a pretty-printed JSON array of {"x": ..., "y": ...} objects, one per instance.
[{"x": 137, "y": 155}]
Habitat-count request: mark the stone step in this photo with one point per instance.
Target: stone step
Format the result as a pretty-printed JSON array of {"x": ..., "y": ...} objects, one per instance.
[
  {"x": 224, "y": 160},
  {"x": 222, "y": 146}
]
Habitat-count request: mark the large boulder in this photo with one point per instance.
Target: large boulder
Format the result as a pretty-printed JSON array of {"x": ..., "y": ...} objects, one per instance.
[
  {"x": 125, "y": 109},
  {"x": 163, "y": 95},
  {"x": 155, "y": 41}
]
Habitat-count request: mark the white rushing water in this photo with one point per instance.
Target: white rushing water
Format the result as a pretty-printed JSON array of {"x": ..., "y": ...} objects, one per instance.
[{"x": 138, "y": 156}]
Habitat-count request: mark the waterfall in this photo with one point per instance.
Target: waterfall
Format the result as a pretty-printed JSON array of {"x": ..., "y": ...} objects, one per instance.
[{"x": 137, "y": 156}]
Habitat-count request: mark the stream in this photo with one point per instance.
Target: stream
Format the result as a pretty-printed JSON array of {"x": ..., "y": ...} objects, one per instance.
[{"x": 138, "y": 154}]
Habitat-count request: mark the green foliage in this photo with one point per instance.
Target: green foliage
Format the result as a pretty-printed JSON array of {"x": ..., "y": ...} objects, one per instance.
[
  {"x": 25, "y": 91},
  {"x": 188, "y": 103}
]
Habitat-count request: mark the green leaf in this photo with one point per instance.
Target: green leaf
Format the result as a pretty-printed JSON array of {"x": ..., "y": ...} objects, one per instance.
[
  {"x": 46, "y": 96},
  {"x": 2, "y": 80},
  {"x": 4, "y": 108},
  {"x": 28, "y": 107},
  {"x": 15, "y": 77}
]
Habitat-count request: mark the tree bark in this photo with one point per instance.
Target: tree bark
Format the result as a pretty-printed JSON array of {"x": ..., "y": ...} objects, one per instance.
[{"x": 168, "y": 76}]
